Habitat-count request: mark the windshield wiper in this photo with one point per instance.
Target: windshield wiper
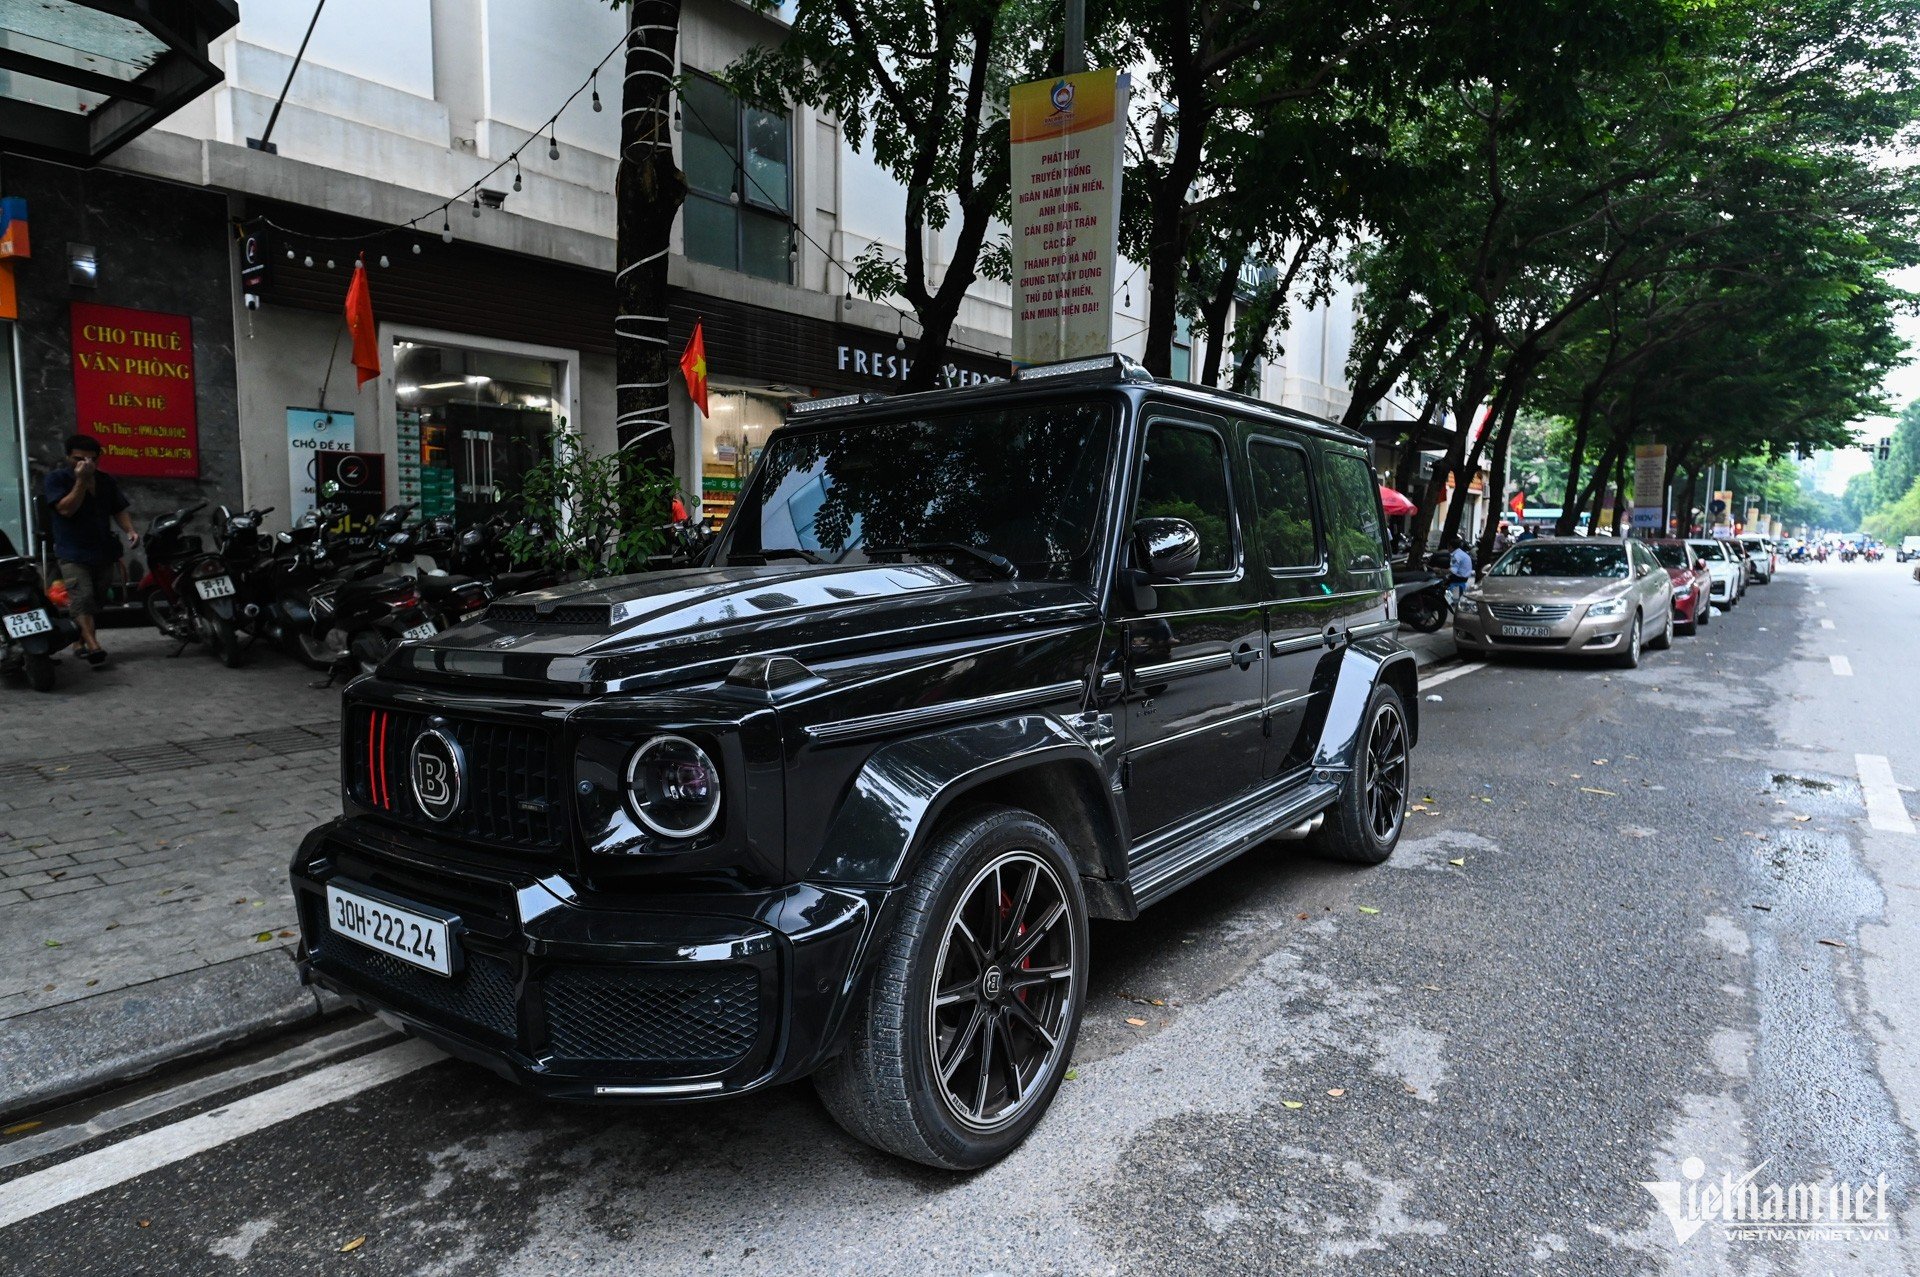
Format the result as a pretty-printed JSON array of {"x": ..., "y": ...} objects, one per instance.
[
  {"x": 997, "y": 564},
  {"x": 782, "y": 552}
]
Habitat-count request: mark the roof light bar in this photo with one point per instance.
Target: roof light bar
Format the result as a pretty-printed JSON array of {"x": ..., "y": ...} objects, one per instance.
[
  {"x": 1115, "y": 367},
  {"x": 835, "y": 401}
]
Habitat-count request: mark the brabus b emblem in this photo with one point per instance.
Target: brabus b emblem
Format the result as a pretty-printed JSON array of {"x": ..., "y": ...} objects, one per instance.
[{"x": 438, "y": 769}]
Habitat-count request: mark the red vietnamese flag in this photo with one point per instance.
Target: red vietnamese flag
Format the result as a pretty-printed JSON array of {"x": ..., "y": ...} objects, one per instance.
[
  {"x": 693, "y": 366},
  {"x": 366, "y": 339}
]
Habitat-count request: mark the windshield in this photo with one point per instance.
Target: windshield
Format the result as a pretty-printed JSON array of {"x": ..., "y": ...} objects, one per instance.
[
  {"x": 960, "y": 487},
  {"x": 1708, "y": 550},
  {"x": 1562, "y": 560},
  {"x": 1672, "y": 555}
]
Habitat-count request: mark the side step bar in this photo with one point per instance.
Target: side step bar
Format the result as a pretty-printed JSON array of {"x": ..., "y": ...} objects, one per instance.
[{"x": 1293, "y": 814}]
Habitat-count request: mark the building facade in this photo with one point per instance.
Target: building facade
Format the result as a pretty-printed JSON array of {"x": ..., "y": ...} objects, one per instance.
[{"x": 494, "y": 321}]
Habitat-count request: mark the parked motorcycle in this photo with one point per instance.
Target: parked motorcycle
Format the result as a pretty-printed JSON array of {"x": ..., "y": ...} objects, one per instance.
[
  {"x": 425, "y": 553},
  {"x": 31, "y": 630},
  {"x": 1421, "y": 594},
  {"x": 189, "y": 592}
]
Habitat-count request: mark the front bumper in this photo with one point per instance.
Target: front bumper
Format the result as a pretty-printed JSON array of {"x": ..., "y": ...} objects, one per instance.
[
  {"x": 1475, "y": 629},
  {"x": 590, "y": 995}
]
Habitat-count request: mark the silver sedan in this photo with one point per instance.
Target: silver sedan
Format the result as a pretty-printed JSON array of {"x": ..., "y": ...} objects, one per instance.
[{"x": 1573, "y": 595}]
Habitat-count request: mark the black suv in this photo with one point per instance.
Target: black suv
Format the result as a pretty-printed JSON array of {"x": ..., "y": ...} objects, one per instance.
[{"x": 965, "y": 670}]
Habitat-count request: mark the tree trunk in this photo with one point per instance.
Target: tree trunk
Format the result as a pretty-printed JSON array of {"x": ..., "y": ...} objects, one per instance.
[
  {"x": 1214, "y": 314},
  {"x": 1171, "y": 226},
  {"x": 1497, "y": 479},
  {"x": 648, "y": 191}
]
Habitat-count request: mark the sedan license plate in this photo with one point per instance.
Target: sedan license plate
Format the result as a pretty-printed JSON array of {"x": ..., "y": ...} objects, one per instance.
[
  {"x": 22, "y": 624},
  {"x": 408, "y": 936},
  {"x": 215, "y": 587},
  {"x": 1527, "y": 631},
  {"x": 424, "y": 630}
]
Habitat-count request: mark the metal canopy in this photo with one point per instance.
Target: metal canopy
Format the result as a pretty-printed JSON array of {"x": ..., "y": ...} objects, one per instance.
[{"x": 80, "y": 78}]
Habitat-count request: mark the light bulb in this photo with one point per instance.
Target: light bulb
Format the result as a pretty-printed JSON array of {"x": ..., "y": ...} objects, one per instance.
[
  {"x": 446, "y": 230},
  {"x": 289, "y": 254},
  {"x": 329, "y": 263},
  {"x": 516, "y": 179},
  {"x": 307, "y": 261},
  {"x": 900, "y": 343},
  {"x": 476, "y": 203},
  {"x": 416, "y": 250},
  {"x": 383, "y": 261},
  {"x": 553, "y": 146},
  {"x": 596, "y": 90}
]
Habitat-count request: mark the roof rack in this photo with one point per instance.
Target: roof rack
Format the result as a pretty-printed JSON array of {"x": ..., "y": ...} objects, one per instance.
[
  {"x": 1101, "y": 368},
  {"x": 834, "y": 401}
]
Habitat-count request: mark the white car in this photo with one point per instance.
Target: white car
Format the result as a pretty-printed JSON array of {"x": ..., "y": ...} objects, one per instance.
[
  {"x": 1909, "y": 549},
  {"x": 1760, "y": 550},
  {"x": 1729, "y": 573}
]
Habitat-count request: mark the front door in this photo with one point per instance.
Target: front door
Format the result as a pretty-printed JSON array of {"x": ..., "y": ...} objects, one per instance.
[{"x": 1195, "y": 660}]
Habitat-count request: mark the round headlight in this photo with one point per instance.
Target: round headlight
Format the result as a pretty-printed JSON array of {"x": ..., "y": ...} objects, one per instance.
[{"x": 673, "y": 787}]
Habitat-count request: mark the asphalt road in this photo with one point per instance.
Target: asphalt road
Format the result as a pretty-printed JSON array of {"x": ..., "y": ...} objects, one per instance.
[{"x": 1640, "y": 918}]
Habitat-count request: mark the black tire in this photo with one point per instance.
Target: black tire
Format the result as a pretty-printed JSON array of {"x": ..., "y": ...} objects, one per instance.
[
  {"x": 886, "y": 1087},
  {"x": 39, "y": 669},
  {"x": 224, "y": 641},
  {"x": 1424, "y": 613},
  {"x": 1364, "y": 824},
  {"x": 1692, "y": 627},
  {"x": 1704, "y": 615},
  {"x": 1665, "y": 640},
  {"x": 1629, "y": 657}
]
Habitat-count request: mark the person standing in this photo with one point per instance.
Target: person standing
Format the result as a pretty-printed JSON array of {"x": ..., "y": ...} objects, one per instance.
[
  {"x": 86, "y": 503},
  {"x": 1502, "y": 540}
]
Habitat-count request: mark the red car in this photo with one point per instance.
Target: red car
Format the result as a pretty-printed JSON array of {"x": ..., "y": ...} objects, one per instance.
[{"x": 1692, "y": 584}]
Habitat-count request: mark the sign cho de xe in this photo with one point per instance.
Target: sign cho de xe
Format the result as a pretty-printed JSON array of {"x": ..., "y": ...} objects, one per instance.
[
  {"x": 133, "y": 388},
  {"x": 1065, "y": 141}
]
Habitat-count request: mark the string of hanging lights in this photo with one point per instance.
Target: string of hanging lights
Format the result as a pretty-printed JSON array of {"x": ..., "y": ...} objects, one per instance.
[{"x": 362, "y": 240}]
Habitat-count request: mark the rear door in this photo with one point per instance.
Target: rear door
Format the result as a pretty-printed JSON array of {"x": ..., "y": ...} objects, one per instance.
[
  {"x": 1288, "y": 551},
  {"x": 1195, "y": 667},
  {"x": 1359, "y": 587}
]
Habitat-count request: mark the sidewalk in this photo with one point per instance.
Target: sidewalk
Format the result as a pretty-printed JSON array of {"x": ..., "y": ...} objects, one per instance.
[
  {"x": 1429, "y": 649},
  {"x": 147, "y": 815}
]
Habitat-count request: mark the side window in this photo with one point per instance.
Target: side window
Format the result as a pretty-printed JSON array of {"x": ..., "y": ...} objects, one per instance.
[
  {"x": 1351, "y": 499},
  {"x": 1283, "y": 506},
  {"x": 1184, "y": 476}
]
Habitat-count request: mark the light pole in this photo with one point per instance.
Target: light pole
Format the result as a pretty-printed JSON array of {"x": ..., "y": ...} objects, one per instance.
[{"x": 1074, "y": 45}]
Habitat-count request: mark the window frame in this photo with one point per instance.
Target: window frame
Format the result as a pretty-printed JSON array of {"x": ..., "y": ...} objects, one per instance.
[
  {"x": 1324, "y": 494},
  {"x": 1236, "y": 569},
  {"x": 1319, "y": 566},
  {"x": 744, "y": 203}
]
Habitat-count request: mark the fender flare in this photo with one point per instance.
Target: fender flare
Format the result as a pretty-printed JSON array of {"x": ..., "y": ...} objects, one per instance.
[
  {"x": 1363, "y": 666},
  {"x": 905, "y": 787}
]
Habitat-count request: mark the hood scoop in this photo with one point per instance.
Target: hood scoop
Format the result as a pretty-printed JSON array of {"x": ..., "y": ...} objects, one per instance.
[{"x": 570, "y": 613}]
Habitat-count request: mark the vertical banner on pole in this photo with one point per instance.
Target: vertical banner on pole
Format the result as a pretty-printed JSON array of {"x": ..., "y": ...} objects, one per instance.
[
  {"x": 1650, "y": 485},
  {"x": 1064, "y": 135}
]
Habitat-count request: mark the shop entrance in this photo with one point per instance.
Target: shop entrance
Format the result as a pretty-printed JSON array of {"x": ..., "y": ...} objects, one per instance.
[
  {"x": 15, "y": 491},
  {"x": 469, "y": 424},
  {"x": 731, "y": 439}
]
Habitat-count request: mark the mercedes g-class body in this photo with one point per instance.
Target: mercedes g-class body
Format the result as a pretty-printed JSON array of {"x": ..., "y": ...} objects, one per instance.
[{"x": 964, "y": 670}]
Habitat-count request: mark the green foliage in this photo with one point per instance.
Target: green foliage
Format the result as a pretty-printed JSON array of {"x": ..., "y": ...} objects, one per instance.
[
  {"x": 1858, "y": 498},
  {"x": 1893, "y": 478},
  {"x": 590, "y": 514},
  {"x": 1896, "y": 519}
]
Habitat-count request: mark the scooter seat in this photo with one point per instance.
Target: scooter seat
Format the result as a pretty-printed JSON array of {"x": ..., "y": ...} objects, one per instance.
[
  {"x": 440, "y": 588},
  {"x": 368, "y": 587}
]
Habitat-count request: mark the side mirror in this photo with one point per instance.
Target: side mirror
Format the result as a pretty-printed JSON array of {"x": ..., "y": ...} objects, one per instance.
[
  {"x": 1168, "y": 549},
  {"x": 1641, "y": 569}
]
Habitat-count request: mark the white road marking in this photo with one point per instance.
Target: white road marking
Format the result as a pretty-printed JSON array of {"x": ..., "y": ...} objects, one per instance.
[
  {"x": 1825, "y": 624},
  {"x": 1819, "y": 602},
  {"x": 96, "y": 1172},
  {"x": 1885, "y": 810},
  {"x": 1841, "y": 665},
  {"x": 317, "y": 1051},
  {"x": 1455, "y": 672}
]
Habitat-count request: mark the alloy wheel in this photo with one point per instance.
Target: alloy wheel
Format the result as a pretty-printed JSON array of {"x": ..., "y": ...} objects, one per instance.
[
  {"x": 1002, "y": 995},
  {"x": 1386, "y": 772}
]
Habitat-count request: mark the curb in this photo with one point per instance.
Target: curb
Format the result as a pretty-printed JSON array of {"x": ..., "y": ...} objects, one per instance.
[{"x": 68, "y": 1052}]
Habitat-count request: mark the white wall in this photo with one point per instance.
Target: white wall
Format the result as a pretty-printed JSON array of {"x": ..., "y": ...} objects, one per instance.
[{"x": 388, "y": 42}]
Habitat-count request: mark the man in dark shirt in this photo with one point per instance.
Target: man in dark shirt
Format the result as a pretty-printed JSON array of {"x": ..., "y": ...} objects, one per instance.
[{"x": 86, "y": 502}]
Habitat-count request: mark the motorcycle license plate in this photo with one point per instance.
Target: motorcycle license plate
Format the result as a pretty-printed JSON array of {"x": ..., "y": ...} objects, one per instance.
[
  {"x": 411, "y": 937},
  {"x": 1527, "y": 631},
  {"x": 23, "y": 624},
  {"x": 215, "y": 587},
  {"x": 424, "y": 630}
]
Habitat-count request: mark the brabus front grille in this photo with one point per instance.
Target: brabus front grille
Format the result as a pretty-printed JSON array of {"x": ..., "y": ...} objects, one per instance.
[{"x": 515, "y": 793}]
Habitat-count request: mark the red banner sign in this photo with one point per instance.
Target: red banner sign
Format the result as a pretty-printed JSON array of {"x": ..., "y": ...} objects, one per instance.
[{"x": 133, "y": 386}]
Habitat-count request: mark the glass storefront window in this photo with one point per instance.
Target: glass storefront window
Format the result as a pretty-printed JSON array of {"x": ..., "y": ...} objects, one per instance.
[
  {"x": 731, "y": 439},
  {"x": 738, "y": 212},
  {"x": 469, "y": 425}
]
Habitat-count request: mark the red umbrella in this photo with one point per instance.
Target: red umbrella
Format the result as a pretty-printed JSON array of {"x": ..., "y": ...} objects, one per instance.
[{"x": 1396, "y": 503}]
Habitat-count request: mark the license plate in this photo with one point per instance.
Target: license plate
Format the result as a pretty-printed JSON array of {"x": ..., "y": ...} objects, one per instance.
[
  {"x": 408, "y": 936},
  {"x": 472, "y": 612},
  {"x": 21, "y": 624},
  {"x": 1527, "y": 631},
  {"x": 215, "y": 587},
  {"x": 424, "y": 630}
]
